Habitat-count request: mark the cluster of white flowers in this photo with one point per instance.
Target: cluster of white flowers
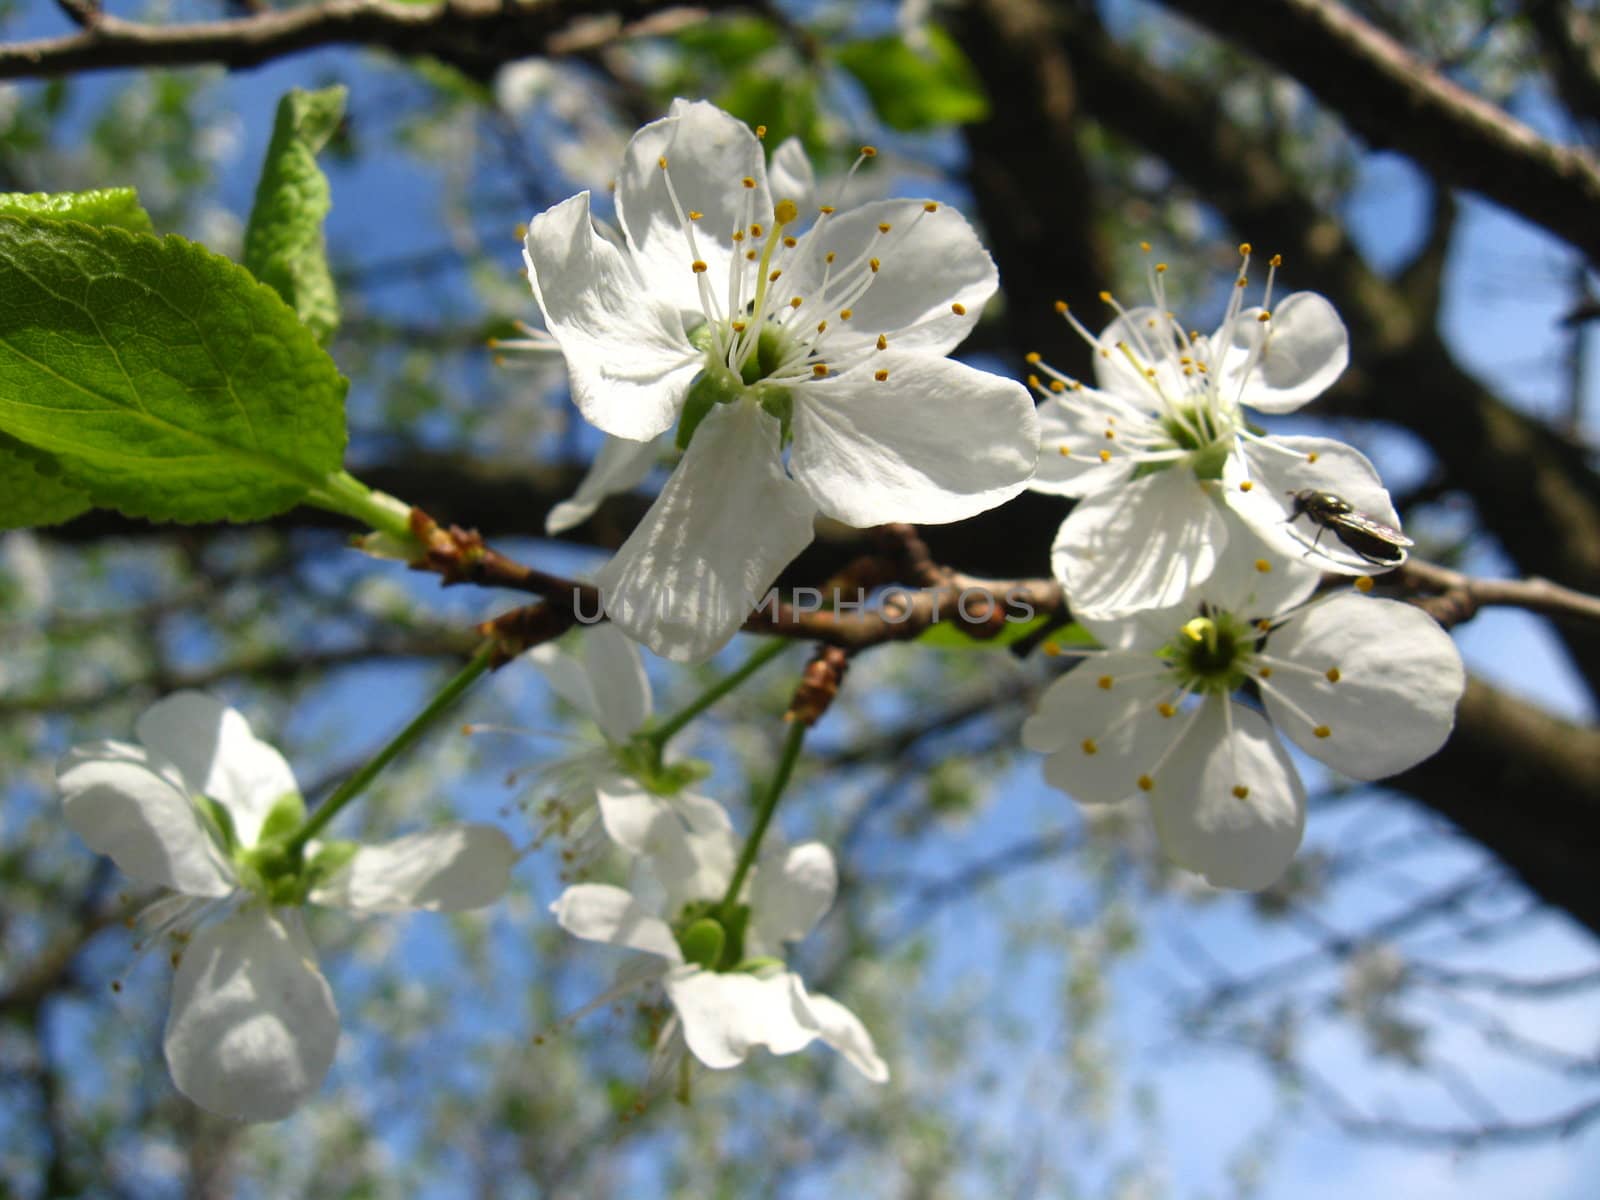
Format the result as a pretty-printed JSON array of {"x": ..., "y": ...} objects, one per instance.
[{"x": 797, "y": 355}]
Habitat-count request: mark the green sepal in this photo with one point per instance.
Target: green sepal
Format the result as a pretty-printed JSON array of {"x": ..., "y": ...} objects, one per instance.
[
  {"x": 779, "y": 402},
  {"x": 641, "y": 758},
  {"x": 713, "y": 386},
  {"x": 1208, "y": 463},
  {"x": 772, "y": 347},
  {"x": 222, "y": 820},
  {"x": 117, "y": 206},
  {"x": 286, "y": 815},
  {"x": 703, "y": 942},
  {"x": 751, "y": 966},
  {"x": 331, "y": 857}
]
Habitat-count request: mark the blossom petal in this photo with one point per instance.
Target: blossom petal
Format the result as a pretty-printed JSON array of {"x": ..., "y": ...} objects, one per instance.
[
  {"x": 790, "y": 176},
  {"x": 567, "y": 676},
  {"x": 448, "y": 869},
  {"x": 843, "y": 1030},
  {"x": 1261, "y": 487},
  {"x": 789, "y": 895},
  {"x": 620, "y": 466},
  {"x": 726, "y": 523},
  {"x": 1252, "y": 578},
  {"x": 936, "y": 441},
  {"x": 219, "y": 757},
  {"x": 933, "y": 278},
  {"x": 1138, "y": 341},
  {"x": 1140, "y": 546},
  {"x": 628, "y": 357},
  {"x": 1306, "y": 350},
  {"x": 130, "y": 805},
  {"x": 1072, "y": 431},
  {"x": 709, "y": 154},
  {"x": 1204, "y": 823},
  {"x": 253, "y": 1027},
  {"x": 1101, "y": 738},
  {"x": 725, "y": 1015},
  {"x": 687, "y": 841},
  {"x": 598, "y": 912},
  {"x": 618, "y": 680},
  {"x": 1399, "y": 677}
]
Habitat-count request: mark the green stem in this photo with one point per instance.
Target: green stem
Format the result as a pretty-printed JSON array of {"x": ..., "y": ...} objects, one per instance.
[
  {"x": 343, "y": 493},
  {"x": 356, "y": 784},
  {"x": 659, "y": 735},
  {"x": 780, "y": 780}
]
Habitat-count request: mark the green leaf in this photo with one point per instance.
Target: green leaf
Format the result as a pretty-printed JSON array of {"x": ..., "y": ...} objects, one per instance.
[
  {"x": 954, "y": 636},
  {"x": 29, "y": 495},
  {"x": 916, "y": 89},
  {"x": 106, "y": 206},
  {"x": 283, "y": 243},
  {"x": 164, "y": 380}
]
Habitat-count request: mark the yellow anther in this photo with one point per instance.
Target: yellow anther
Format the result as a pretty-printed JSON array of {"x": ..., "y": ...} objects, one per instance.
[
  {"x": 1106, "y": 296},
  {"x": 1061, "y": 306},
  {"x": 1089, "y": 747},
  {"x": 819, "y": 369},
  {"x": 519, "y": 231},
  {"x": 822, "y": 326},
  {"x": 1322, "y": 731},
  {"x": 1264, "y": 625},
  {"x": 699, "y": 266},
  {"x": 761, "y": 131},
  {"x": 1146, "y": 783},
  {"x": 869, "y": 152},
  {"x": 751, "y": 255},
  {"x": 695, "y": 215},
  {"x": 755, "y": 230},
  {"x": 826, "y": 210},
  {"x": 1065, "y": 452},
  {"x": 1263, "y": 565},
  {"x": 846, "y": 313},
  {"x": 1276, "y": 260},
  {"x": 884, "y": 227},
  {"x": 1104, "y": 683},
  {"x": 1332, "y": 675},
  {"x": 1033, "y": 358},
  {"x": 1363, "y": 584},
  {"x": 738, "y": 235},
  {"x": 748, "y": 182},
  {"x": 1266, "y": 672},
  {"x": 1051, "y": 649},
  {"x": 738, "y": 326},
  {"x": 883, "y": 342},
  {"x": 1145, "y": 246},
  {"x": 1240, "y": 282},
  {"x": 959, "y": 309},
  {"x": 1105, "y": 456},
  {"x": 1264, "y": 316},
  {"x": 873, "y": 265},
  {"x": 1312, "y": 457},
  {"x": 1161, "y": 268},
  {"x": 1246, "y": 249},
  {"x": 1111, "y": 434},
  {"x": 880, "y": 376},
  {"x": 1246, "y": 485},
  {"x": 1057, "y": 386},
  {"x": 796, "y": 301},
  {"x": 1165, "y": 709},
  {"x": 1240, "y": 791},
  {"x": 829, "y": 257},
  {"x": 931, "y": 206},
  {"x": 773, "y": 278},
  {"x": 1033, "y": 382},
  {"x": 791, "y": 242},
  {"x": 662, "y": 162}
]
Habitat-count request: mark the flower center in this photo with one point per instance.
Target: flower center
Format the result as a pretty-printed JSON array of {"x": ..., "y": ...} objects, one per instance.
[{"x": 1213, "y": 653}]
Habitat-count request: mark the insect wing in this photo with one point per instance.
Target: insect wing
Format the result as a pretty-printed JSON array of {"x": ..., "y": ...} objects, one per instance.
[{"x": 1372, "y": 540}]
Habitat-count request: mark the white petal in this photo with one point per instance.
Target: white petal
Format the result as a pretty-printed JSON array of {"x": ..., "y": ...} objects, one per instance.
[
  {"x": 1251, "y": 579},
  {"x": 1101, "y": 739},
  {"x": 930, "y": 266},
  {"x": 131, "y": 806},
  {"x": 598, "y": 912},
  {"x": 843, "y": 1030},
  {"x": 790, "y": 175},
  {"x": 618, "y": 680},
  {"x": 1322, "y": 464},
  {"x": 219, "y": 757},
  {"x": 709, "y": 154},
  {"x": 1137, "y": 341},
  {"x": 1076, "y": 423},
  {"x": 937, "y": 441},
  {"x": 1399, "y": 679},
  {"x": 1307, "y": 348},
  {"x": 1140, "y": 546},
  {"x": 727, "y": 522},
  {"x": 1204, "y": 824},
  {"x": 627, "y": 354},
  {"x": 253, "y": 1026},
  {"x": 687, "y": 841},
  {"x": 789, "y": 895},
  {"x": 726, "y": 1015},
  {"x": 621, "y": 465},
  {"x": 567, "y": 677},
  {"x": 448, "y": 869}
]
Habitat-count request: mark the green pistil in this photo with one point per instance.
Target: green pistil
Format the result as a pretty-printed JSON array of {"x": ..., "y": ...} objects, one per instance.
[
  {"x": 1194, "y": 430},
  {"x": 711, "y": 939},
  {"x": 1212, "y": 654},
  {"x": 719, "y": 384}
]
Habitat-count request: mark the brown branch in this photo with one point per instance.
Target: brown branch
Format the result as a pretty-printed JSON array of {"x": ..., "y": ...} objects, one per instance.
[
  {"x": 1394, "y": 100},
  {"x": 476, "y": 35},
  {"x": 1458, "y": 597}
]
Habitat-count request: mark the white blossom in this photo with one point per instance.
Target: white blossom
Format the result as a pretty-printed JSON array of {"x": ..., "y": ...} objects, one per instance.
[
  {"x": 1163, "y": 456},
  {"x": 802, "y": 359},
  {"x": 729, "y": 988},
  {"x": 1364, "y": 685},
  {"x": 202, "y": 807}
]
